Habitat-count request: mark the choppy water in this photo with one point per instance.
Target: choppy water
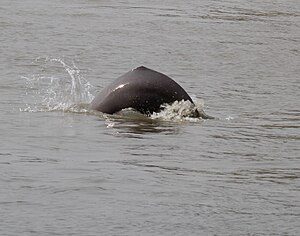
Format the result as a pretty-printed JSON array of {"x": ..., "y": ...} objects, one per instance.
[{"x": 67, "y": 171}]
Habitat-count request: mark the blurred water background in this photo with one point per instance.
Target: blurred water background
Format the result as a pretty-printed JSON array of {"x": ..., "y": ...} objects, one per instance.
[{"x": 67, "y": 171}]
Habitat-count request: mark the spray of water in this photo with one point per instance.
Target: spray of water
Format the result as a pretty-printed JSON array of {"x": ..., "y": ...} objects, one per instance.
[
  {"x": 53, "y": 93},
  {"x": 180, "y": 111}
]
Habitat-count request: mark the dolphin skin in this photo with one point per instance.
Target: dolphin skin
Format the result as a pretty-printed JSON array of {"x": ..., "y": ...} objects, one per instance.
[{"x": 142, "y": 89}]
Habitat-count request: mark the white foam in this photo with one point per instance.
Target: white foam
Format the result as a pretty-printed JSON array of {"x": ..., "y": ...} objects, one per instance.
[{"x": 180, "y": 111}]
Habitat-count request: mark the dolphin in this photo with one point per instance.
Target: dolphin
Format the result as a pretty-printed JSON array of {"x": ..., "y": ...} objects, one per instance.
[{"x": 142, "y": 89}]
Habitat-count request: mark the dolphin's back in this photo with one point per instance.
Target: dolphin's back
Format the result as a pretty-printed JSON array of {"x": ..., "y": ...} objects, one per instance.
[{"x": 142, "y": 89}]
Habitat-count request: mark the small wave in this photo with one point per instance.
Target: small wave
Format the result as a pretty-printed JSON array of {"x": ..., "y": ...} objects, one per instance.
[
  {"x": 229, "y": 118},
  {"x": 180, "y": 111},
  {"x": 53, "y": 93}
]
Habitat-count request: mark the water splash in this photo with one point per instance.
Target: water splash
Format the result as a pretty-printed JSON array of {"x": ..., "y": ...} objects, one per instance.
[
  {"x": 70, "y": 92},
  {"x": 53, "y": 93},
  {"x": 180, "y": 111}
]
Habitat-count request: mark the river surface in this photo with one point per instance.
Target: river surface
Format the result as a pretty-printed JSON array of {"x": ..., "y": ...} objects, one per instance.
[{"x": 65, "y": 170}]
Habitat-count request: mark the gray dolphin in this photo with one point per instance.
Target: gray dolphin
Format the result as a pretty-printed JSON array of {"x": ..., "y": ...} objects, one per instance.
[{"x": 142, "y": 89}]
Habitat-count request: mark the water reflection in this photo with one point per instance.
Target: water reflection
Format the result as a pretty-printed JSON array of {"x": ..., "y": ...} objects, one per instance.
[{"x": 133, "y": 124}]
